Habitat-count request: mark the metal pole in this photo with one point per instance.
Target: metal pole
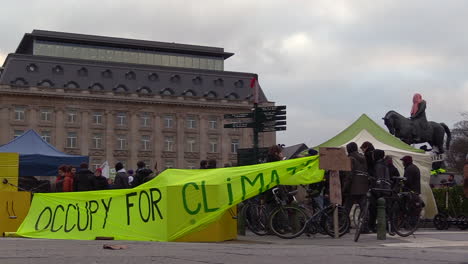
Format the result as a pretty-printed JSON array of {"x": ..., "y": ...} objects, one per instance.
[
  {"x": 255, "y": 135},
  {"x": 381, "y": 219},
  {"x": 336, "y": 227}
]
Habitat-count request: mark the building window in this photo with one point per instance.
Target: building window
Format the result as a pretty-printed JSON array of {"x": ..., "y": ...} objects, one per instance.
[
  {"x": 211, "y": 95},
  {"x": 189, "y": 93},
  {"x": 97, "y": 118},
  {"x": 213, "y": 123},
  {"x": 169, "y": 143},
  {"x": 191, "y": 122},
  {"x": 45, "y": 135},
  {"x": 234, "y": 145},
  {"x": 167, "y": 91},
  {"x": 57, "y": 69},
  {"x": 144, "y": 90},
  {"x": 191, "y": 145},
  {"x": 46, "y": 115},
  {"x": 19, "y": 114},
  {"x": 213, "y": 148},
  {"x": 145, "y": 142},
  {"x": 19, "y": 81},
  {"x": 169, "y": 164},
  {"x": 121, "y": 119},
  {"x": 121, "y": 142},
  {"x": 45, "y": 83},
  {"x": 17, "y": 133},
  {"x": 239, "y": 84},
  {"x": 197, "y": 80},
  {"x": 168, "y": 121},
  {"x": 71, "y": 117},
  {"x": 130, "y": 75},
  {"x": 96, "y": 87},
  {"x": 153, "y": 77},
  {"x": 32, "y": 68},
  {"x": 107, "y": 74},
  {"x": 72, "y": 85},
  {"x": 96, "y": 164},
  {"x": 145, "y": 120},
  {"x": 219, "y": 82},
  {"x": 97, "y": 141},
  {"x": 83, "y": 72},
  {"x": 72, "y": 139}
]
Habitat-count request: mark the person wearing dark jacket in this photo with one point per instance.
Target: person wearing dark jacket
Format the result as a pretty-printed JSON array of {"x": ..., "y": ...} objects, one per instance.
[
  {"x": 83, "y": 180},
  {"x": 368, "y": 150},
  {"x": 121, "y": 178},
  {"x": 141, "y": 174},
  {"x": 99, "y": 181},
  {"x": 356, "y": 182},
  {"x": 381, "y": 171},
  {"x": 412, "y": 175}
]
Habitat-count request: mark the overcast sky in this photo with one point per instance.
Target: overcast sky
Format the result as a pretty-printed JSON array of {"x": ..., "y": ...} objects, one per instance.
[{"x": 328, "y": 61}]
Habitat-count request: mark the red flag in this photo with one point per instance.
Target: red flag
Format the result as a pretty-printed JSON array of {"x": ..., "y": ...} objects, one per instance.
[{"x": 255, "y": 85}]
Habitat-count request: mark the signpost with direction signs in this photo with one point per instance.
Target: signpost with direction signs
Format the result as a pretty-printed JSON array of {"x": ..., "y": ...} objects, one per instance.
[{"x": 265, "y": 119}]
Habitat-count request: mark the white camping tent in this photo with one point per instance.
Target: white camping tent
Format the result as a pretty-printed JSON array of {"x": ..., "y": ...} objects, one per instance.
[{"x": 365, "y": 129}]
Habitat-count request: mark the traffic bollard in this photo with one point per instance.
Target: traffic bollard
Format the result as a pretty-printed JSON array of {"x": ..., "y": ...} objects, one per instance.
[
  {"x": 381, "y": 220},
  {"x": 240, "y": 220}
]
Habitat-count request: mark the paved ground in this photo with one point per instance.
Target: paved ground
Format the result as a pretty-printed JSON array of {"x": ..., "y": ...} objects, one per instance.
[{"x": 428, "y": 246}]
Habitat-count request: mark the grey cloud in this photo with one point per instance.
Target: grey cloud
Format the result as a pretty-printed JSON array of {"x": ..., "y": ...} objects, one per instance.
[{"x": 360, "y": 56}]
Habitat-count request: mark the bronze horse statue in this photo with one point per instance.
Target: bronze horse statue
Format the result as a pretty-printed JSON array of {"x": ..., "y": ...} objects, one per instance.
[{"x": 403, "y": 128}]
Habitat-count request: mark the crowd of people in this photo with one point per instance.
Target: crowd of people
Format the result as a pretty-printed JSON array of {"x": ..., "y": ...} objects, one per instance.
[{"x": 71, "y": 179}]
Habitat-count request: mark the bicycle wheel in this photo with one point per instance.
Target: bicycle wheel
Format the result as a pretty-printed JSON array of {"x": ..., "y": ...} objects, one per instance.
[
  {"x": 288, "y": 222},
  {"x": 362, "y": 221},
  {"x": 404, "y": 222},
  {"x": 343, "y": 221},
  {"x": 440, "y": 221},
  {"x": 355, "y": 215},
  {"x": 256, "y": 219}
]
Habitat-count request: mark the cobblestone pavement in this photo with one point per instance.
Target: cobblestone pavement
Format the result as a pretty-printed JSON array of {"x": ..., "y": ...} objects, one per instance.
[{"x": 427, "y": 246}]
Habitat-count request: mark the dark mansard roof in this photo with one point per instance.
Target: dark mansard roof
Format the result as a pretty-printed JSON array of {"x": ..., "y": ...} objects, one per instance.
[{"x": 54, "y": 72}]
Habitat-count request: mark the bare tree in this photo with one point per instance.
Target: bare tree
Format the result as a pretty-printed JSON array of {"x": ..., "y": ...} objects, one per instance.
[{"x": 459, "y": 145}]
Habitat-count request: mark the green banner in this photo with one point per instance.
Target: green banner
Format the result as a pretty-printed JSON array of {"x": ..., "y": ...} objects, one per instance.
[{"x": 174, "y": 204}]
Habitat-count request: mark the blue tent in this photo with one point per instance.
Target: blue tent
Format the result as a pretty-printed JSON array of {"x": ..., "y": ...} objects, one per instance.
[{"x": 37, "y": 157}]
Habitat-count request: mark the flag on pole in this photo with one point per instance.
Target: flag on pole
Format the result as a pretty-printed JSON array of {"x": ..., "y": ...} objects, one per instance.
[
  {"x": 255, "y": 86},
  {"x": 105, "y": 169}
]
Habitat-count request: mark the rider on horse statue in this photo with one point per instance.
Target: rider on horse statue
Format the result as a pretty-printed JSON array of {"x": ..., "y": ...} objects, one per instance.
[{"x": 418, "y": 116}]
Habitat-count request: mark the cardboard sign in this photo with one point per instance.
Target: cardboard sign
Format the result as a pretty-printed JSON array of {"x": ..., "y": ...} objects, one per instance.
[
  {"x": 335, "y": 187},
  {"x": 334, "y": 159}
]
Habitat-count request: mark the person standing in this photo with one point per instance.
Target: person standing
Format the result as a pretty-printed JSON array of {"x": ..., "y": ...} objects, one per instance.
[
  {"x": 68, "y": 179},
  {"x": 60, "y": 178},
  {"x": 368, "y": 149},
  {"x": 121, "y": 178},
  {"x": 356, "y": 182},
  {"x": 141, "y": 174},
  {"x": 412, "y": 175},
  {"x": 83, "y": 180},
  {"x": 99, "y": 181},
  {"x": 203, "y": 164}
]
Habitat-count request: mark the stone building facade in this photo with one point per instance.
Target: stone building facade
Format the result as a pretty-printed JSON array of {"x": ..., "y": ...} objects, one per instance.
[{"x": 141, "y": 100}]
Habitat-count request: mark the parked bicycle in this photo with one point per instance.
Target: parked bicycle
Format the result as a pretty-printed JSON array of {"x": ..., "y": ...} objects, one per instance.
[
  {"x": 290, "y": 221},
  {"x": 402, "y": 210},
  {"x": 256, "y": 214}
]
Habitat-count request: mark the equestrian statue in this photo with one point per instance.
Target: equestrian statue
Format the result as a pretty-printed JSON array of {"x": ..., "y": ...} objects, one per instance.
[{"x": 417, "y": 129}]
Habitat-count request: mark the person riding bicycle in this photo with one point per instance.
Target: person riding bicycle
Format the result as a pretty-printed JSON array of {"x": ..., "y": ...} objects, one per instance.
[{"x": 412, "y": 175}]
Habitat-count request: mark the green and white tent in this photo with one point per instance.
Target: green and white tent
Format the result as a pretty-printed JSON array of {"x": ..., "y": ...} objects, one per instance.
[{"x": 365, "y": 129}]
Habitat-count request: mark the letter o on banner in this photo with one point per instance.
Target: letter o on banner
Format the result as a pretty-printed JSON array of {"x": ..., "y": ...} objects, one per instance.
[
  {"x": 38, "y": 221},
  {"x": 140, "y": 205}
]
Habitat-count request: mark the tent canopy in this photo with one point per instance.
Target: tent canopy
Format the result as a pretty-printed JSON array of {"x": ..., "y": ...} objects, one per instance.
[
  {"x": 365, "y": 129},
  {"x": 37, "y": 157}
]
